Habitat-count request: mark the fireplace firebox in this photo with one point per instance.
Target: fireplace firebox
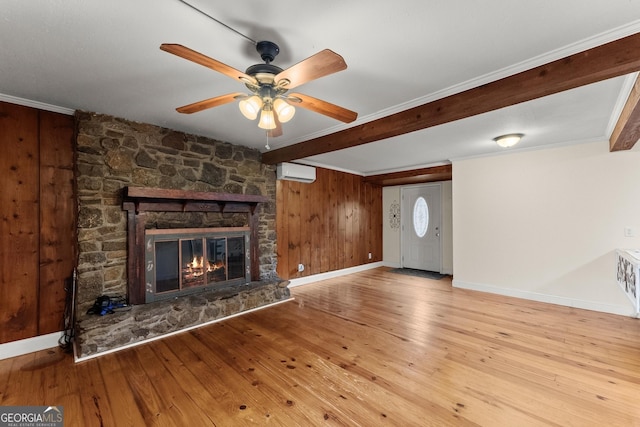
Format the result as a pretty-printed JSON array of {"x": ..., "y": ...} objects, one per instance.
[
  {"x": 183, "y": 261},
  {"x": 206, "y": 249}
]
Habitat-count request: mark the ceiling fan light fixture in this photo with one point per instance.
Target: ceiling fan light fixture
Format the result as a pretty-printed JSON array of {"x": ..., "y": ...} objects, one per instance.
[
  {"x": 250, "y": 107},
  {"x": 267, "y": 120},
  {"x": 284, "y": 110},
  {"x": 267, "y": 83},
  {"x": 508, "y": 140}
]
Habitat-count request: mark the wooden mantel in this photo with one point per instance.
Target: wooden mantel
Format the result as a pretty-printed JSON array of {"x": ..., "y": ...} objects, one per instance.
[
  {"x": 137, "y": 201},
  {"x": 154, "y": 196}
]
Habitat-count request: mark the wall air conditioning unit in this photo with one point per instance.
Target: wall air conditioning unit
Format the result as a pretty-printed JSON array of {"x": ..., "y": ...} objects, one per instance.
[{"x": 295, "y": 172}]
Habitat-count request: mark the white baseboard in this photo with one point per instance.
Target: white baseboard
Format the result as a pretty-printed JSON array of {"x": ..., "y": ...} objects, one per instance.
[
  {"x": 29, "y": 345},
  {"x": 551, "y": 299},
  {"x": 332, "y": 274}
]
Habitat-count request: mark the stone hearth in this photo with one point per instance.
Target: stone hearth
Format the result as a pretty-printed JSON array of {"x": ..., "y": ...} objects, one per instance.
[{"x": 139, "y": 323}]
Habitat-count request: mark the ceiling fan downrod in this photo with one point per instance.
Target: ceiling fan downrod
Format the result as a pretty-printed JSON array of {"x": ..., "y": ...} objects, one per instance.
[{"x": 267, "y": 50}]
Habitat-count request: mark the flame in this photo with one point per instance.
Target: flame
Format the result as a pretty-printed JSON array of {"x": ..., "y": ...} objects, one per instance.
[
  {"x": 217, "y": 265},
  {"x": 196, "y": 263},
  {"x": 198, "y": 266},
  {"x": 195, "y": 267}
]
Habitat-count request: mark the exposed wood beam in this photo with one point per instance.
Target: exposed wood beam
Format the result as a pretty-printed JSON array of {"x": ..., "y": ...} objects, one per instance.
[
  {"x": 627, "y": 130},
  {"x": 414, "y": 176},
  {"x": 610, "y": 60}
]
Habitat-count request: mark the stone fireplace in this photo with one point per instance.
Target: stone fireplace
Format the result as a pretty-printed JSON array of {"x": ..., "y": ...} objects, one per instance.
[{"x": 137, "y": 180}]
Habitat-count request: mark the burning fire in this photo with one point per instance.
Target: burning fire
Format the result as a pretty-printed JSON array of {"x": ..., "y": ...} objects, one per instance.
[
  {"x": 198, "y": 266},
  {"x": 215, "y": 266},
  {"x": 194, "y": 268},
  {"x": 196, "y": 263}
]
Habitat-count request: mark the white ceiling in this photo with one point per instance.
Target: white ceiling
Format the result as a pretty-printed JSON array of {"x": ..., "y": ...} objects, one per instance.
[{"x": 104, "y": 56}]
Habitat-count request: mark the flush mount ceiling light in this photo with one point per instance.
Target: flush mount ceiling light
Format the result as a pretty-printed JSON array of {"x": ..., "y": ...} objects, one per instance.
[{"x": 508, "y": 140}]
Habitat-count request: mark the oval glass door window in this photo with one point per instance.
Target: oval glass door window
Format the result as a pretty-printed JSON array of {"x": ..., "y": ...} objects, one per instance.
[{"x": 420, "y": 217}]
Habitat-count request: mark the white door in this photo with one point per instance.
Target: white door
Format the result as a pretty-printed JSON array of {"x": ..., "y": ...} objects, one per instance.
[{"x": 420, "y": 215}]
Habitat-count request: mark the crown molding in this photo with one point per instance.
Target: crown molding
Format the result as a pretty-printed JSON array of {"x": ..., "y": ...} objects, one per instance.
[{"x": 36, "y": 104}]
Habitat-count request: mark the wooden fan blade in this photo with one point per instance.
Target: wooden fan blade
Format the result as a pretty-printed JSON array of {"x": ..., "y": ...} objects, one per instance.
[
  {"x": 319, "y": 65},
  {"x": 208, "y": 103},
  {"x": 198, "y": 58},
  {"x": 274, "y": 133},
  {"x": 324, "y": 107}
]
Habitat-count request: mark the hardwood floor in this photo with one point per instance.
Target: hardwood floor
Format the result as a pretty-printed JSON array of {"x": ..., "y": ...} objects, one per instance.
[{"x": 372, "y": 348}]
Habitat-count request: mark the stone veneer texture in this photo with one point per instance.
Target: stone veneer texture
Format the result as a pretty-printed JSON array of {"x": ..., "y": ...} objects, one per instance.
[
  {"x": 133, "y": 325},
  {"x": 113, "y": 153}
]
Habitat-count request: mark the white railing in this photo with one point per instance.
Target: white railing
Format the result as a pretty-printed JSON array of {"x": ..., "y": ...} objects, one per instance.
[{"x": 628, "y": 274}]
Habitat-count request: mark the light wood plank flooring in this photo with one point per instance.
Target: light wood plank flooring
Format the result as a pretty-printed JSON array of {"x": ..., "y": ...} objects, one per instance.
[{"x": 368, "y": 349}]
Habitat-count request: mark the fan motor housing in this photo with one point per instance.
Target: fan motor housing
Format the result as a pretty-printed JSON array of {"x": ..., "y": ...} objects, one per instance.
[
  {"x": 264, "y": 74},
  {"x": 263, "y": 69}
]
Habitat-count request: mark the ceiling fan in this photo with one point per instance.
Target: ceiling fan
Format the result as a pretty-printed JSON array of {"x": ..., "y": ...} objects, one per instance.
[{"x": 269, "y": 85}]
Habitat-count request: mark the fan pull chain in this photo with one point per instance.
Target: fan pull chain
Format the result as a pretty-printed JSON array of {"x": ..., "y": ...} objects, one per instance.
[
  {"x": 267, "y": 146},
  {"x": 221, "y": 23}
]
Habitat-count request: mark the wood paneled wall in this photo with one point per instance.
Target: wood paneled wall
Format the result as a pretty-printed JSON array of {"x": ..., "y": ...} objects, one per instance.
[
  {"x": 37, "y": 220},
  {"x": 331, "y": 224}
]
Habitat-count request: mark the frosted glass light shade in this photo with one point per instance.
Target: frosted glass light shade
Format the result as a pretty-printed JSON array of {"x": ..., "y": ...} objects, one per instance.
[
  {"x": 267, "y": 121},
  {"x": 284, "y": 110},
  {"x": 509, "y": 140},
  {"x": 250, "y": 107}
]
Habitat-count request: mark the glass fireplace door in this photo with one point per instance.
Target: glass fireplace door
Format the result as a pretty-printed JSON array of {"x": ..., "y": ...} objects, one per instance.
[
  {"x": 193, "y": 263},
  {"x": 183, "y": 261}
]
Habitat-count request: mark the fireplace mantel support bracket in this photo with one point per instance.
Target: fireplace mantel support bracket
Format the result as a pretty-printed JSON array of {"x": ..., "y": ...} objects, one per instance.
[{"x": 139, "y": 200}]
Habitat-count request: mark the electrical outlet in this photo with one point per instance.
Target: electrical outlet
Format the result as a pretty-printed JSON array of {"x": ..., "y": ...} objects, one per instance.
[
  {"x": 370, "y": 256},
  {"x": 629, "y": 232},
  {"x": 300, "y": 267}
]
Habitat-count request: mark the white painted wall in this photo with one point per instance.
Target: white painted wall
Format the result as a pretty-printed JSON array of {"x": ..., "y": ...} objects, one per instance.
[
  {"x": 545, "y": 224},
  {"x": 391, "y": 243}
]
